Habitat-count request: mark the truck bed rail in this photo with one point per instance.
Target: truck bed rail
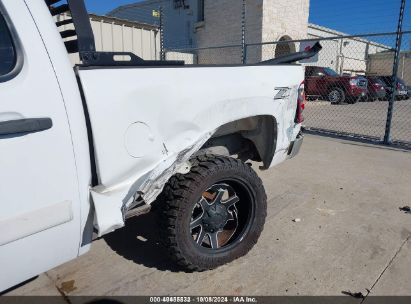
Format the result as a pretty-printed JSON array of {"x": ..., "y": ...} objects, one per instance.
[
  {"x": 84, "y": 43},
  {"x": 294, "y": 57},
  {"x": 89, "y": 56}
]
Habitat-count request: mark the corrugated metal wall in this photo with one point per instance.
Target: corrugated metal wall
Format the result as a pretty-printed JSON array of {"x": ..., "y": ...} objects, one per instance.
[{"x": 112, "y": 34}]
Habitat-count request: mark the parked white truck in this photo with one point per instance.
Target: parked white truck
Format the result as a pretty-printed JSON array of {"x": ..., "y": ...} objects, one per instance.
[{"x": 84, "y": 149}]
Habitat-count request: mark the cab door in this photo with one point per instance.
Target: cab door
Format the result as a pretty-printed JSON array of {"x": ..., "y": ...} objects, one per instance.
[
  {"x": 309, "y": 81},
  {"x": 39, "y": 197}
]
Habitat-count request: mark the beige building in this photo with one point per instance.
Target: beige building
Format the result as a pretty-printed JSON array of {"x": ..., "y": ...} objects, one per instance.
[
  {"x": 344, "y": 55},
  {"x": 198, "y": 24},
  {"x": 266, "y": 20},
  {"x": 210, "y": 32},
  {"x": 381, "y": 64}
]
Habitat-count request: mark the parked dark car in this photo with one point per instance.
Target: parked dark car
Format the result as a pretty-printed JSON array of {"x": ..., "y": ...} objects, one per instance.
[
  {"x": 401, "y": 92},
  {"x": 409, "y": 92},
  {"x": 325, "y": 83},
  {"x": 376, "y": 88}
]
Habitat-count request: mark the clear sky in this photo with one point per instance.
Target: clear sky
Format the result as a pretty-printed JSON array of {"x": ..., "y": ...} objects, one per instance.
[
  {"x": 350, "y": 16},
  {"x": 359, "y": 16},
  {"x": 102, "y": 7}
]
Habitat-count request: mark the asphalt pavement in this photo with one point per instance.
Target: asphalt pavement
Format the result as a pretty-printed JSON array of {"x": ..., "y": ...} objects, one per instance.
[{"x": 351, "y": 237}]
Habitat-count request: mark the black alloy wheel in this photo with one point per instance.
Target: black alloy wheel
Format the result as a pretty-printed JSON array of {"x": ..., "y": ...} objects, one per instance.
[{"x": 212, "y": 215}]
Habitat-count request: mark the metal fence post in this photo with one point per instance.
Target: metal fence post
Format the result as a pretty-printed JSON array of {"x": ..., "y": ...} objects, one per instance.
[
  {"x": 243, "y": 44},
  {"x": 162, "y": 53},
  {"x": 387, "y": 135}
]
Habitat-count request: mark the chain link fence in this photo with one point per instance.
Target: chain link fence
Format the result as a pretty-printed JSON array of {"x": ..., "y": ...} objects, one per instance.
[
  {"x": 349, "y": 88},
  {"x": 349, "y": 85}
]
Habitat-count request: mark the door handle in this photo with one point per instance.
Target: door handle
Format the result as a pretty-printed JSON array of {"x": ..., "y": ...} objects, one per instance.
[{"x": 25, "y": 126}]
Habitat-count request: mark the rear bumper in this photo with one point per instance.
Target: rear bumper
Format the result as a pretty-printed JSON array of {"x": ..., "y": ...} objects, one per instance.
[
  {"x": 295, "y": 145},
  {"x": 357, "y": 92},
  {"x": 378, "y": 94}
]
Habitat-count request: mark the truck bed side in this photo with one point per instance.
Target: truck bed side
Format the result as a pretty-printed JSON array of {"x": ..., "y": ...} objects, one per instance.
[{"x": 148, "y": 121}]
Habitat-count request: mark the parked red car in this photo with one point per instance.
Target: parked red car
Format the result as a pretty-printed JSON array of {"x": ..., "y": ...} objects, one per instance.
[
  {"x": 376, "y": 88},
  {"x": 325, "y": 83}
]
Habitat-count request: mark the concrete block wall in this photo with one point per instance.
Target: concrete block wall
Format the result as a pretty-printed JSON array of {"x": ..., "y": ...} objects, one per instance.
[
  {"x": 283, "y": 19},
  {"x": 221, "y": 27},
  {"x": 266, "y": 20},
  {"x": 254, "y": 30},
  {"x": 188, "y": 58}
]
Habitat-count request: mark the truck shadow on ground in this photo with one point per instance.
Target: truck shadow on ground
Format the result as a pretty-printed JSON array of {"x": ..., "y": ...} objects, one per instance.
[{"x": 139, "y": 242}]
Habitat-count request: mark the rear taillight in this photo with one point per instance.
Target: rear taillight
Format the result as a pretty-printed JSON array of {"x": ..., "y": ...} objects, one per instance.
[
  {"x": 300, "y": 104},
  {"x": 354, "y": 82}
]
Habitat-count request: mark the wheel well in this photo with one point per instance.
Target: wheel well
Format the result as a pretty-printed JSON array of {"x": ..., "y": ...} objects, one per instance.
[
  {"x": 252, "y": 138},
  {"x": 336, "y": 86}
]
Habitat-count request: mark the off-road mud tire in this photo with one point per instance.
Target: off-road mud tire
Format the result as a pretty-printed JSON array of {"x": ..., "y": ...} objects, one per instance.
[{"x": 181, "y": 193}]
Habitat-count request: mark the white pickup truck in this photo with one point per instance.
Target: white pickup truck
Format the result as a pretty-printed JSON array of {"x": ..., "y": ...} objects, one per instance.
[{"x": 85, "y": 148}]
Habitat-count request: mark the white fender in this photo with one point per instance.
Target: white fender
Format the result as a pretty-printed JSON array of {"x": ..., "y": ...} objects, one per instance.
[{"x": 146, "y": 122}]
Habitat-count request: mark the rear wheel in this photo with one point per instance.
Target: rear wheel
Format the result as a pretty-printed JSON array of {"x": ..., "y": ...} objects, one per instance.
[
  {"x": 366, "y": 98},
  {"x": 212, "y": 215},
  {"x": 336, "y": 95}
]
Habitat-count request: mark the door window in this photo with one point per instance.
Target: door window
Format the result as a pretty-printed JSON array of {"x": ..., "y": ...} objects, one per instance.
[
  {"x": 318, "y": 72},
  {"x": 7, "y": 50}
]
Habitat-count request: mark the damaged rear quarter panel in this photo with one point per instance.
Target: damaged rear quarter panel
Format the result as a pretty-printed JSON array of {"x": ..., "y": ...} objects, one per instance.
[{"x": 147, "y": 122}]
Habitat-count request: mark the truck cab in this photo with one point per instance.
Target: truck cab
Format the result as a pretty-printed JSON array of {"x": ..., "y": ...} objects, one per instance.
[{"x": 44, "y": 176}]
